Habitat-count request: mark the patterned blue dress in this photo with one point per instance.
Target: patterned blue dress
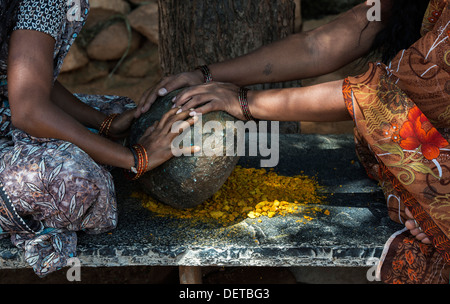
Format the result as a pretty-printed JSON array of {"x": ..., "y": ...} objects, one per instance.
[{"x": 50, "y": 189}]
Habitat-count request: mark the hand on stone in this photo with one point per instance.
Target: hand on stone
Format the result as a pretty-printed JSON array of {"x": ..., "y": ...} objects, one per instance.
[
  {"x": 166, "y": 85},
  {"x": 214, "y": 96},
  {"x": 157, "y": 139},
  {"x": 120, "y": 126}
]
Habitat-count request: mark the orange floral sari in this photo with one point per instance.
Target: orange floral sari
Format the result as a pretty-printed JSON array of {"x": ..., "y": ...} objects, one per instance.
[{"x": 402, "y": 132}]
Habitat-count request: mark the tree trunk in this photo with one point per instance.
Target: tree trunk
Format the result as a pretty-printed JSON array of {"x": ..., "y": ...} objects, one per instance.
[{"x": 199, "y": 32}]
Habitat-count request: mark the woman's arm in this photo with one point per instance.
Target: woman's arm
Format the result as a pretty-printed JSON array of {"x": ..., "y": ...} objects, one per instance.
[
  {"x": 89, "y": 116},
  {"x": 306, "y": 54},
  {"x": 35, "y": 111},
  {"x": 30, "y": 83},
  {"x": 299, "y": 56},
  {"x": 85, "y": 114},
  {"x": 319, "y": 103}
]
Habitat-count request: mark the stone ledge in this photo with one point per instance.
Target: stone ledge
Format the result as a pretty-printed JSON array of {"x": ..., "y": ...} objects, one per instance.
[{"x": 352, "y": 235}]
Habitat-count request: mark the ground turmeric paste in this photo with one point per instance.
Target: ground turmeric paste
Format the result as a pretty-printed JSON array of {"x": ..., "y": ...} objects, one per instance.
[{"x": 251, "y": 193}]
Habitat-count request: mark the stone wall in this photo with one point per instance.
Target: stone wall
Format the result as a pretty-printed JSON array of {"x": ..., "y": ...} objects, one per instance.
[{"x": 121, "y": 38}]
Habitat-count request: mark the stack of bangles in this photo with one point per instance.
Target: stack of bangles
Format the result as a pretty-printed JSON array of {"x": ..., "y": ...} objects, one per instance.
[
  {"x": 207, "y": 77},
  {"x": 106, "y": 125},
  {"x": 140, "y": 162},
  {"x": 243, "y": 102},
  {"x": 139, "y": 152},
  {"x": 242, "y": 92}
]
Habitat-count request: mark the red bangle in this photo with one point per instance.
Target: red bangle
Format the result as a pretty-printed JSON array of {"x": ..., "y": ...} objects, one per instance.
[
  {"x": 106, "y": 125},
  {"x": 244, "y": 103},
  {"x": 141, "y": 162}
]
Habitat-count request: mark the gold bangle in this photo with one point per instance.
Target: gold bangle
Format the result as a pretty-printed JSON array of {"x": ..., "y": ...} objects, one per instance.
[
  {"x": 141, "y": 162},
  {"x": 106, "y": 125}
]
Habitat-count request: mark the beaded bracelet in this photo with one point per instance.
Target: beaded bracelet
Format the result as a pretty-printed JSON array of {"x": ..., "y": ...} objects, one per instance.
[
  {"x": 206, "y": 73},
  {"x": 140, "y": 162},
  {"x": 106, "y": 125},
  {"x": 244, "y": 103}
]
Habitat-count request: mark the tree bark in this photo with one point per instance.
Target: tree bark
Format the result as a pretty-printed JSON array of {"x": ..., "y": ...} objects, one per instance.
[{"x": 196, "y": 32}]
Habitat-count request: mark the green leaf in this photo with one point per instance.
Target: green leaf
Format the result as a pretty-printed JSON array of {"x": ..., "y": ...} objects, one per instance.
[
  {"x": 422, "y": 168},
  {"x": 392, "y": 149}
]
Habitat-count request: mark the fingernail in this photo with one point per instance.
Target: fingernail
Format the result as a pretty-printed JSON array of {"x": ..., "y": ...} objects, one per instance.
[
  {"x": 196, "y": 149},
  {"x": 179, "y": 111},
  {"x": 162, "y": 92},
  {"x": 174, "y": 106},
  {"x": 173, "y": 99},
  {"x": 193, "y": 113}
]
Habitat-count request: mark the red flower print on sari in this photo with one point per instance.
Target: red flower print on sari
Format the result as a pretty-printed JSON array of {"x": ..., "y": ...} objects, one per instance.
[{"x": 419, "y": 132}]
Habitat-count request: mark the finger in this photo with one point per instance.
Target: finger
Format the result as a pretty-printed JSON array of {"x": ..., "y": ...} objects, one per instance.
[
  {"x": 175, "y": 123},
  {"x": 206, "y": 108},
  {"x": 150, "y": 129},
  {"x": 142, "y": 101},
  {"x": 193, "y": 149},
  {"x": 187, "y": 151},
  {"x": 200, "y": 101},
  {"x": 170, "y": 114},
  {"x": 421, "y": 236},
  {"x": 427, "y": 241},
  {"x": 408, "y": 213},
  {"x": 149, "y": 96},
  {"x": 144, "y": 97},
  {"x": 181, "y": 125},
  {"x": 172, "y": 85},
  {"x": 410, "y": 224},
  {"x": 187, "y": 94},
  {"x": 167, "y": 85},
  {"x": 415, "y": 231}
]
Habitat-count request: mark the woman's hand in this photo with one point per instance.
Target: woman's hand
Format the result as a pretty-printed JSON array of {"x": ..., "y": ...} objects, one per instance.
[
  {"x": 166, "y": 85},
  {"x": 120, "y": 126},
  {"x": 214, "y": 96},
  {"x": 157, "y": 139}
]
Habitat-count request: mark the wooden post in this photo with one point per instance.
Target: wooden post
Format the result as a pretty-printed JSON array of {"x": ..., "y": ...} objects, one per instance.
[
  {"x": 190, "y": 274},
  {"x": 197, "y": 32}
]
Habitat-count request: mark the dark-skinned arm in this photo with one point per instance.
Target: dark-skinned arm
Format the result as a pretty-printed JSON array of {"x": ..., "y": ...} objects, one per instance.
[
  {"x": 33, "y": 110},
  {"x": 298, "y": 56},
  {"x": 85, "y": 114}
]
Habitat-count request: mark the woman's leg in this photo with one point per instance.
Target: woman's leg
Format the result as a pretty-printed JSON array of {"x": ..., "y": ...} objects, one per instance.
[{"x": 58, "y": 184}]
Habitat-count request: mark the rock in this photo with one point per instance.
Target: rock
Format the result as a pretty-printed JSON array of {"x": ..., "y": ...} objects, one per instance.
[
  {"x": 92, "y": 71},
  {"x": 112, "y": 42},
  {"x": 101, "y": 10},
  {"x": 145, "y": 20},
  {"x": 141, "y": 63},
  {"x": 185, "y": 181},
  {"x": 75, "y": 59},
  {"x": 116, "y": 6}
]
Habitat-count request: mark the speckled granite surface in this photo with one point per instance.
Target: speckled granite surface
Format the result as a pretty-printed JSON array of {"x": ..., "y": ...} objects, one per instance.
[{"x": 353, "y": 233}]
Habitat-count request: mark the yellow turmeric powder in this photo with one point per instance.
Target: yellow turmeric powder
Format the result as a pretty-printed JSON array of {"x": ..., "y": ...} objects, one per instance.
[{"x": 250, "y": 193}]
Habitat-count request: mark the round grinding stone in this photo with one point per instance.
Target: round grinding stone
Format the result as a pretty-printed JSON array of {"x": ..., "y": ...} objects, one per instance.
[{"x": 188, "y": 180}]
